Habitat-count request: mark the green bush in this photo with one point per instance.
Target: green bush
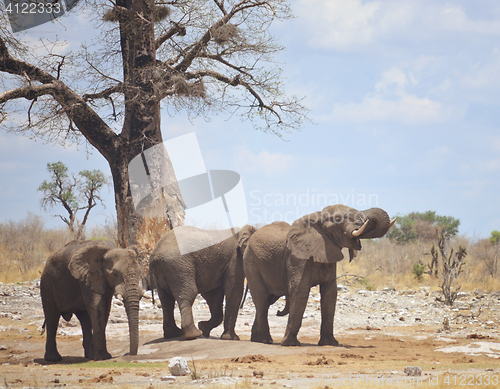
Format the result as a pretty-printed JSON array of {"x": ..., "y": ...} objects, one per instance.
[{"x": 418, "y": 270}]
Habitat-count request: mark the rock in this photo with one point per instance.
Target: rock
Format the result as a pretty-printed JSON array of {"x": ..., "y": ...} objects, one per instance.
[
  {"x": 258, "y": 373},
  {"x": 168, "y": 378},
  {"x": 178, "y": 366},
  {"x": 342, "y": 288},
  {"x": 414, "y": 371}
]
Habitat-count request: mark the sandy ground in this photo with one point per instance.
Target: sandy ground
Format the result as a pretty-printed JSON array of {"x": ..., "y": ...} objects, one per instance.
[{"x": 376, "y": 345}]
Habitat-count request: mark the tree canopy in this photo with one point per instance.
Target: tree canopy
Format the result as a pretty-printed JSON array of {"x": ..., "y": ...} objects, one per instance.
[
  {"x": 73, "y": 193},
  {"x": 422, "y": 226},
  {"x": 200, "y": 56}
]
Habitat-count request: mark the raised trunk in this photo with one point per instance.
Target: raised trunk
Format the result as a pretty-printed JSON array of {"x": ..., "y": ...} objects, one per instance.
[{"x": 378, "y": 224}]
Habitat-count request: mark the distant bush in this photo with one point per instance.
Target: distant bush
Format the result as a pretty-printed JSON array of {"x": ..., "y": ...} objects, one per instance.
[
  {"x": 495, "y": 237},
  {"x": 422, "y": 227},
  {"x": 418, "y": 270}
]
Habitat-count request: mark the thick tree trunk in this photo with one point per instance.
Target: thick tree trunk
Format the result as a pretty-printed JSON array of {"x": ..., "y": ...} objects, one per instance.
[
  {"x": 129, "y": 221},
  {"x": 141, "y": 127}
]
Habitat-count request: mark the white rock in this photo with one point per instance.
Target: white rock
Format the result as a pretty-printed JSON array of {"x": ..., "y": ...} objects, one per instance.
[
  {"x": 169, "y": 378},
  {"x": 178, "y": 366}
]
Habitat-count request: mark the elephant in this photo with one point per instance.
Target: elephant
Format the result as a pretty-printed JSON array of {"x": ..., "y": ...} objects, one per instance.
[
  {"x": 287, "y": 260},
  {"x": 214, "y": 272},
  {"x": 81, "y": 278}
]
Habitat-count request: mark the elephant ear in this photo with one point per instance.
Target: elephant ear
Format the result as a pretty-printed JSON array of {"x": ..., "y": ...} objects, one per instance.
[
  {"x": 86, "y": 266},
  {"x": 306, "y": 240},
  {"x": 243, "y": 235}
]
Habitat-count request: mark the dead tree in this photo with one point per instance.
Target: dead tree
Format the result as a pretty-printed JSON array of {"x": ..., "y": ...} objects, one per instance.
[{"x": 452, "y": 267}]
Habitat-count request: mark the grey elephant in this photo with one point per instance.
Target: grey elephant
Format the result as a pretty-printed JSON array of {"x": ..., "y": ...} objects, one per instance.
[
  {"x": 287, "y": 260},
  {"x": 214, "y": 272},
  {"x": 81, "y": 278}
]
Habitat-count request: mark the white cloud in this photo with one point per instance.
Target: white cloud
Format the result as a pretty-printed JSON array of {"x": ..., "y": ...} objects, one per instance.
[
  {"x": 396, "y": 77},
  {"x": 268, "y": 164},
  {"x": 407, "y": 109},
  {"x": 485, "y": 74},
  {"x": 349, "y": 24},
  {"x": 390, "y": 101},
  {"x": 338, "y": 23}
]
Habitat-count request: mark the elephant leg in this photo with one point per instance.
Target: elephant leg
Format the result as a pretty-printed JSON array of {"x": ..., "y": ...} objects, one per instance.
[
  {"x": 86, "y": 324},
  {"x": 298, "y": 303},
  {"x": 234, "y": 284},
  {"x": 298, "y": 295},
  {"x": 260, "y": 327},
  {"x": 187, "y": 321},
  {"x": 328, "y": 301},
  {"x": 215, "y": 301},
  {"x": 51, "y": 324},
  {"x": 98, "y": 310},
  {"x": 170, "y": 329},
  {"x": 185, "y": 296}
]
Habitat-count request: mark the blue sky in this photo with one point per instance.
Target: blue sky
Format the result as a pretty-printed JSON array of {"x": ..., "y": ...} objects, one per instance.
[{"x": 405, "y": 107}]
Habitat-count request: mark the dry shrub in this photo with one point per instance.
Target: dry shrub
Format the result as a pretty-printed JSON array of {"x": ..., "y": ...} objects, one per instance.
[
  {"x": 425, "y": 231},
  {"x": 384, "y": 263},
  {"x": 108, "y": 232},
  {"x": 150, "y": 232},
  {"x": 24, "y": 247}
]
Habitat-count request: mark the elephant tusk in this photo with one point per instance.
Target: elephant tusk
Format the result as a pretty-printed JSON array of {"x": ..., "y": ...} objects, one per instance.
[
  {"x": 359, "y": 231},
  {"x": 392, "y": 222}
]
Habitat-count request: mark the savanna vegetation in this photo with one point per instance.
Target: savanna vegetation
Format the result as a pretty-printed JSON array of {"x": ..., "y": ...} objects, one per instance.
[
  {"x": 386, "y": 262},
  {"x": 26, "y": 244},
  {"x": 425, "y": 249}
]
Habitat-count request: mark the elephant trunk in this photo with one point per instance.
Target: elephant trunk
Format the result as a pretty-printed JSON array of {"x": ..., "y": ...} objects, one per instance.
[
  {"x": 131, "y": 300},
  {"x": 378, "y": 223}
]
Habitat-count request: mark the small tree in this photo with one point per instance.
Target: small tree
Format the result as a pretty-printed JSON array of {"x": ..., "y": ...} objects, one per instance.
[
  {"x": 452, "y": 267},
  {"x": 70, "y": 192}
]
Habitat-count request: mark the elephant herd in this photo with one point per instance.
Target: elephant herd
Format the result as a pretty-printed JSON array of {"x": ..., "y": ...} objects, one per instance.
[{"x": 277, "y": 260}]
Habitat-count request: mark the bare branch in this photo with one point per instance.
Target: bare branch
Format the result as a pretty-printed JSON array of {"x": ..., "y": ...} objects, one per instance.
[
  {"x": 220, "y": 4},
  {"x": 235, "y": 82},
  {"x": 105, "y": 94},
  {"x": 29, "y": 92},
  {"x": 176, "y": 29}
]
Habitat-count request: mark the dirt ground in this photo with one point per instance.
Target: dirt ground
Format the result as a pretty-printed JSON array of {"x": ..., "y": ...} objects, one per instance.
[{"x": 466, "y": 354}]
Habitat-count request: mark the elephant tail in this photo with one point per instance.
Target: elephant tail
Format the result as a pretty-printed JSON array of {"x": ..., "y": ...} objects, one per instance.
[
  {"x": 244, "y": 296},
  {"x": 152, "y": 286},
  {"x": 285, "y": 310}
]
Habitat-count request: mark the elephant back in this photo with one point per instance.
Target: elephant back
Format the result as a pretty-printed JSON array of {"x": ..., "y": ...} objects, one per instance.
[{"x": 269, "y": 241}]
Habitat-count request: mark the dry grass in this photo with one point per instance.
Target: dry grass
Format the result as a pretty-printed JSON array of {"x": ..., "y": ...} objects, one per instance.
[
  {"x": 25, "y": 245},
  {"x": 386, "y": 264}
]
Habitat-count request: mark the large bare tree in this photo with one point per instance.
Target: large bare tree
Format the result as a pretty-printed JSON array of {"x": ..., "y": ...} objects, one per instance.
[{"x": 202, "y": 56}]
